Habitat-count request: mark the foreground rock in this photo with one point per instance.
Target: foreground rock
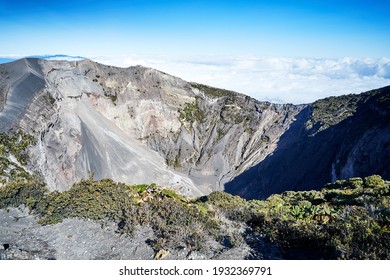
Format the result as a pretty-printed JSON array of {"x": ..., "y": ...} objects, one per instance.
[{"x": 22, "y": 238}]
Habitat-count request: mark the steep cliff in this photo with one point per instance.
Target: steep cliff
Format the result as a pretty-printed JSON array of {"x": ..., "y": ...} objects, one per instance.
[{"x": 334, "y": 138}]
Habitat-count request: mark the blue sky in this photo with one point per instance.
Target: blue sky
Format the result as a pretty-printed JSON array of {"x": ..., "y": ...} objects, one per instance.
[
  {"x": 269, "y": 28},
  {"x": 276, "y": 50}
]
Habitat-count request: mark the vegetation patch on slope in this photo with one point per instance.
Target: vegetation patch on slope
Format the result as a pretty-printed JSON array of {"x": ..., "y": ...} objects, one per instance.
[
  {"x": 332, "y": 110},
  {"x": 345, "y": 220},
  {"x": 14, "y": 145},
  {"x": 191, "y": 113},
  {"x": 212, "y": 91}
]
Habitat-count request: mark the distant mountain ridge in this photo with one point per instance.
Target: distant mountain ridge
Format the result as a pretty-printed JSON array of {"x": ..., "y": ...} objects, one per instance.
[
  {"x": 46, "y": 57},
  {"x": 140, "y": 125}
]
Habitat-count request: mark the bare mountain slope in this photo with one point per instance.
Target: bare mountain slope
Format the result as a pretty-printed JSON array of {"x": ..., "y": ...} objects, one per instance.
[
  {"x": 136, "y": 125},
  {"x": 19, "y": 83}
]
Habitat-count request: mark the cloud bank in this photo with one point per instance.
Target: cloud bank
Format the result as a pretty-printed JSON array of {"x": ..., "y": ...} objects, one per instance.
[{"x": 275, "y": 79}]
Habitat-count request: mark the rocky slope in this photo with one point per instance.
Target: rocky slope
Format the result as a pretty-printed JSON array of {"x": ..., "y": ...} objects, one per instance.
[
  {"x": 135, "y": 125},
  {"x": 335, "y": 138},
  {"x": 139, "y": 125}
]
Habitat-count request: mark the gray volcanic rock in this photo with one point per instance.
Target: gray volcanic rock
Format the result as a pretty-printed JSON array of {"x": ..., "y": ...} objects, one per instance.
[
  {"x": 137, "y": 125},
  {"x": 22, "y": 238},
  {"x": 19, "y": 84}
]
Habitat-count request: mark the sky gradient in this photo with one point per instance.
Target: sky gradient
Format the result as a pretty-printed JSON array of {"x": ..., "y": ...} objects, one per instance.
[
  {"x": 276, "y": 28},
  {"x": 191, "y": 30}
]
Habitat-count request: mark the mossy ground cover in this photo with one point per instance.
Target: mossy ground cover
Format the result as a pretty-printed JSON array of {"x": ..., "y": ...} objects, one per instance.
[{"x": 345, "y": 220}]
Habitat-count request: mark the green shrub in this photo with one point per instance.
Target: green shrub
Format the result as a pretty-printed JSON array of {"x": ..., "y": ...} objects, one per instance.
[
  {"x": 346, "y": 222},
  {"x": 374, "y": 181},
  {"x": 176, "y": 220},
  {"x": 191, "y": 113},
  {"x": 355, "y": 183},
  {"x": 16, "y": 145},
  {"x": 20, "y": 192}
]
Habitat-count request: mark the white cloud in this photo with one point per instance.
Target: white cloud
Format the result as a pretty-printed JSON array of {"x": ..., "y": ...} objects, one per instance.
[{"x": 275, "y": 79}]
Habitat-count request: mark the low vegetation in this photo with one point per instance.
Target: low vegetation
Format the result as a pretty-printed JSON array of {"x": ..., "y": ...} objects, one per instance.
[
  {"x": 345, "y": 220},
  {"x": 13, "y": 155},
  {"x": 332, "y": 110},
  {"x": 16, "y": 145},
  {"x": 212, "y": 91},
  {"x": 175, "y": 220},
  {"x": 191, "y": 113}
]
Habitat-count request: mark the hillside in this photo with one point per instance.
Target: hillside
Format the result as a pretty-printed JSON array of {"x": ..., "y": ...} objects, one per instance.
[
  {"x": 65, "y": 120},
  {"x": 100, "y": 162},
  {"x": 334, "y": 138},
  {"x": 108, "y": 220},
  {"x": 135, "y": 125}
]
